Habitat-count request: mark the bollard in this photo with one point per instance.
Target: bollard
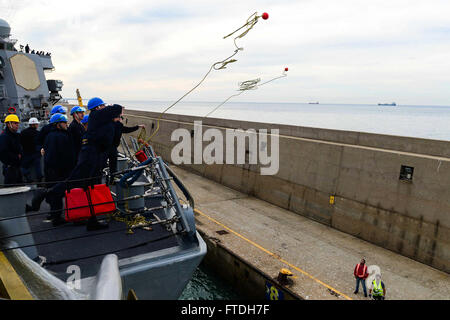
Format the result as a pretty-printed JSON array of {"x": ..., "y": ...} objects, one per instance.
[
  {"x": 122, "y": 164},
  {"x": 137, "y": 188}
]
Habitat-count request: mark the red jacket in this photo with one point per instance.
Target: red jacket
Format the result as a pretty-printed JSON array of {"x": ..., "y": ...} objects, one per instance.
[{"x": 361, "y": 271}]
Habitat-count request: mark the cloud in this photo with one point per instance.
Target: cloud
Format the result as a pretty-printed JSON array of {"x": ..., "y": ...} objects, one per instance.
[{"x": 347, "y": 51}]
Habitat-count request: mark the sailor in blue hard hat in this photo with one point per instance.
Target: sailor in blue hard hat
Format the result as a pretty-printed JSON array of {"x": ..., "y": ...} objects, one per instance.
[
  {"x": 38, "y": 196},
  {"x": 119, "y": 129},
  {"x": 76, "y": 129},
  {"x": 40, "y": 139},
  {"x": 59, "y": 160},
  {"x": 58, "y": 109},
  {"x": 47, "y": 128},
  {"x": 96, "y": 104},
  {"x": 85, "y": 121},
  {"x": 78, "y": 109},
  {"x": 92, "y": 159}
]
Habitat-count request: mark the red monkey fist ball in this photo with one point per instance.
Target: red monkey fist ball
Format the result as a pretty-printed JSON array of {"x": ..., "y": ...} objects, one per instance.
[
  {"x": 286, "y": 69},
  {"x": 265, "y": 16}
]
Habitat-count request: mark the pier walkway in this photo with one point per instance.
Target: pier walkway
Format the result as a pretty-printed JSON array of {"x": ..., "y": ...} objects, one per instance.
[{"x": 322, "y": 258}]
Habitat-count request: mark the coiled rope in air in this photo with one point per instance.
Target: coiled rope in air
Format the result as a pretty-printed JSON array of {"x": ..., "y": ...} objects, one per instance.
[
  {"x": 220, "y": 65},
  {"x": 246, "y": 86}
]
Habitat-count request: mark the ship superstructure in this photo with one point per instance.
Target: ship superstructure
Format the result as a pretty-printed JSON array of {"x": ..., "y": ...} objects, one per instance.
[{"x": 24, "y": 89}]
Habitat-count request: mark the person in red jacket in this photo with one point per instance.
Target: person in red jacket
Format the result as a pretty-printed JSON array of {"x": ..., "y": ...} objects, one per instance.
[{"x": 361, "y": 275}]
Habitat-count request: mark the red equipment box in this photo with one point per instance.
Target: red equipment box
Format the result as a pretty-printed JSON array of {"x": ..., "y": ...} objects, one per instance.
[
  {"x": 96, "y": 201},
  {"x": 141, "y": 156},
  {"x": 101, "y": 199},
  {"x": 77, "y": 205}
]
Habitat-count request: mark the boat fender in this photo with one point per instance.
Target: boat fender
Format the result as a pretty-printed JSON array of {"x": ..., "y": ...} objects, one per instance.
[{"x": 190, "y": 219}]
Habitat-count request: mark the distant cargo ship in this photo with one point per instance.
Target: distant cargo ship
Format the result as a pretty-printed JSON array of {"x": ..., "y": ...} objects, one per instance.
[
  {"x": 393, "y": 104},
  {"x": 313, "y": 103}
]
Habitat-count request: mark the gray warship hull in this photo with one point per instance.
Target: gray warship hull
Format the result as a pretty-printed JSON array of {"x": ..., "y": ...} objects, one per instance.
[
  {"x": 155, "y": 263},
  {"x": 151, "y": 248}
]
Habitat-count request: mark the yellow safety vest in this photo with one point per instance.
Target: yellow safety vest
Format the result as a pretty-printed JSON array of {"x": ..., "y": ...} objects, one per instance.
[{"x": 377, "y": 290}]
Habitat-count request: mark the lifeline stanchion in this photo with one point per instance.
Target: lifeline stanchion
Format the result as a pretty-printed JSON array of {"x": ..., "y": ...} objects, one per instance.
[
  {"x": 147, "y": 223},
  {"x": 135, "y": 197},
  {"x": 82, "y": 236},
  {"x": 114, "y": 251},
  {"x": 71, "y": 181},
  {"x": 220, "y": 65},
  {"x": 146, "y": 195}
]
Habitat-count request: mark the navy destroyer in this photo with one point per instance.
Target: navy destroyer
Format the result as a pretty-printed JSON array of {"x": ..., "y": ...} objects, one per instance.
[{"x": 151, "y": 248}]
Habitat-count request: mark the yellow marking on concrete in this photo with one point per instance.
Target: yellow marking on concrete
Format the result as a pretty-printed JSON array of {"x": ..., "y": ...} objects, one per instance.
[
  {"x": 332, "y": 200},
  {"x": 11, "y": 286},
  {"x": 273, "y": 255}
]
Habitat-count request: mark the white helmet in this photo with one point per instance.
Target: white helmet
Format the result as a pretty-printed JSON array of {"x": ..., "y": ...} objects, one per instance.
[{"x": 33, "y": 121}]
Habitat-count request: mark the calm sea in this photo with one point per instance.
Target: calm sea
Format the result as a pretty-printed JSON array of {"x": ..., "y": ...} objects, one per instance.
[
  {"x": 206, "y": 285},
  {"x": 431, "y": 122}
]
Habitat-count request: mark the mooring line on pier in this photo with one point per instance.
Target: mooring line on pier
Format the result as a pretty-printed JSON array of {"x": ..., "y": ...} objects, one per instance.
[{"x": 273, "y": 255}]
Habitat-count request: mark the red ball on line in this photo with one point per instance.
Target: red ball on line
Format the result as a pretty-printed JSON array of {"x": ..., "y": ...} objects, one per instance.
[
  {"x": 265, "y": 16},
  {"x": 286, "y": 69}
]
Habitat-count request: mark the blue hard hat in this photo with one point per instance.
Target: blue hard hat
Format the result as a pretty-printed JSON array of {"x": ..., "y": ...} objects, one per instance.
[
  {"x": 94, "y": 103},
  {"x": 58, "y": 109},
  {"x": 56, "y": 118},
  {"x": 85, "y": 119},
  {"x": 77, "y": 109}
]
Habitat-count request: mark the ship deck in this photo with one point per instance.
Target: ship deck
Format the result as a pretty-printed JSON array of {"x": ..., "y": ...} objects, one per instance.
[{"x": 72, "y": 244}]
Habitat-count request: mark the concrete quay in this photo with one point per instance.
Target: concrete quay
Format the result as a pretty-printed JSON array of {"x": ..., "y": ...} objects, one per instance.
[
  {"x": 391, "y": 191},
  {"x": 261, "y": 238}
]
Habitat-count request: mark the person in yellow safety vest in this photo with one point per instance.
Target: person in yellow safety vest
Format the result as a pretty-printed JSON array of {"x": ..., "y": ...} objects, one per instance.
[{"x": 378, "y": 289}]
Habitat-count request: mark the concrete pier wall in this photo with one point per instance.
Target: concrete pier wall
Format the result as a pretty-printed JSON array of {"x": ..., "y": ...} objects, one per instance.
[{"x": 360, "y": 170}]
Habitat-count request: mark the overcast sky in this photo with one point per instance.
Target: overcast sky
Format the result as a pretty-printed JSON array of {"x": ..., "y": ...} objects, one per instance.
[{"x": 347, "y": 51}]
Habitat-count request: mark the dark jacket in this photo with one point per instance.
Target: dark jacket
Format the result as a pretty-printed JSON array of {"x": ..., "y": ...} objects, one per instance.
[
  {"x": 100, "y": 132},
  {"x": 28, "y": 139},
  {"x": 119, "y": 128},
  {"x": 59, "y": 151},
  {"x": 76, "y": 131},
  {"x": 40, "y": 139},
  {"x": 10, "y": 148}
]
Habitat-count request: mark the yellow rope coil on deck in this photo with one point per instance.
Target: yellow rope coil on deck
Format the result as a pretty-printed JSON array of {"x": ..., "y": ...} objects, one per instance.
[{"x": 133, "y": 222}]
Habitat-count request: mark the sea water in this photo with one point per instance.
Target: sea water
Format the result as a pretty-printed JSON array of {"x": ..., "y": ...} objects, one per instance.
[
  {"x": 207, "y": 285},
  {"x": 430, "y": 122}
]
